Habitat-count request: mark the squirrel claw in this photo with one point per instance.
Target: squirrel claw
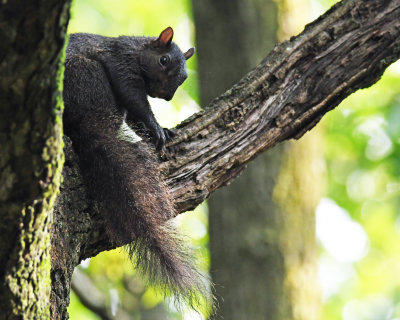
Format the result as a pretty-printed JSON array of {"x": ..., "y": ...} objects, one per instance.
[
  {"x": 167, "y": 154},
  {"x": 164, "y": 155}
]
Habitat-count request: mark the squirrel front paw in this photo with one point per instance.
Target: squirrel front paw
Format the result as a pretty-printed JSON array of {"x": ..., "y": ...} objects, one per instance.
[
  {"x": 160, "y": 139},
  {"x": 161, "y": 136},
  {"x": 160, "y": 144},
  {"x": 169, "y": 134}
]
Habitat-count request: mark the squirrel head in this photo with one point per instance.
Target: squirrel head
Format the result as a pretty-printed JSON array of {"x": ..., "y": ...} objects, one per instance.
[{"x": 163, "y": 66}]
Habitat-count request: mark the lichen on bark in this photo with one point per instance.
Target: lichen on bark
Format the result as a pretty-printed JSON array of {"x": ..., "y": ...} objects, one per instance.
[{"x": 31, "y": 41}]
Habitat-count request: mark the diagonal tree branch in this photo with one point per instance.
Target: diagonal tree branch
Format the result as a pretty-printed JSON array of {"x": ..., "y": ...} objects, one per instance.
[{"x": 346, "y": 49}]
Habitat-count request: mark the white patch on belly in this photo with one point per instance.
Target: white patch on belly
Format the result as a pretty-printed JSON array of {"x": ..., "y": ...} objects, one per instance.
[{"x": 125, "y": 133}]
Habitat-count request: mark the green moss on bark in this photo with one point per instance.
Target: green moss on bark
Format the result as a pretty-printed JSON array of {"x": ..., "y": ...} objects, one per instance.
[{"x": 33, "y": 156}]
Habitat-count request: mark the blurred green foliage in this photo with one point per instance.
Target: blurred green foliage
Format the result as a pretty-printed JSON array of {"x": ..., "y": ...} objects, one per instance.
[
  {"x": 362, "y": 149},
  {"x": 362, "y": 158},
  {"x": 362, "y": 152}
]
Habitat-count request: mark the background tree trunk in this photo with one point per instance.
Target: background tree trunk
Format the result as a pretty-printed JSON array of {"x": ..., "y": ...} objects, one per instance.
[
  {"x": 252, "y": 267},
  {"x": 32, "y": 36}
]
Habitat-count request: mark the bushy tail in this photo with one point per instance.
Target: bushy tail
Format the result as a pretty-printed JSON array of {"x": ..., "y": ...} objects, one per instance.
[{"x": 122, "y": 177}]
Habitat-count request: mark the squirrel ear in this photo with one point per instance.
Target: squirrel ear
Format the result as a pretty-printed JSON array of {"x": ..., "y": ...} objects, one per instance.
[
  {"x": 189, "y": 53},
  {"x": 165, "y": 37}
]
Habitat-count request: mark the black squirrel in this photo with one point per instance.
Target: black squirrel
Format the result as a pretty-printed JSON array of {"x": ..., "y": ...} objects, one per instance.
[{"x": 106, "y": 83}]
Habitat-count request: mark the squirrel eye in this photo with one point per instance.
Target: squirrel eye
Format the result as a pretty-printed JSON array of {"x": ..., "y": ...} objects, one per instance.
[{"x": 163, "y": 60}]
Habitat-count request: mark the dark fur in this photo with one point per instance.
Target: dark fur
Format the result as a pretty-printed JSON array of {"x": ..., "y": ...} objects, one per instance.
[{"x": 108, "y": 80}]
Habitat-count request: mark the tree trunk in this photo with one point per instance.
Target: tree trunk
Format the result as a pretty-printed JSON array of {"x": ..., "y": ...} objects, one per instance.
[
  {"x": 251, "y": 265},
  {"x": 32, "y": 36}
]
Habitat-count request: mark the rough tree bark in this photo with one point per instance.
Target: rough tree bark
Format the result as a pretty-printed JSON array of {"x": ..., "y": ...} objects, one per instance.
[
  {"x": 286, "y": 95},
  {"x": 32, "y": 35}
]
